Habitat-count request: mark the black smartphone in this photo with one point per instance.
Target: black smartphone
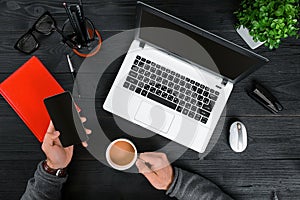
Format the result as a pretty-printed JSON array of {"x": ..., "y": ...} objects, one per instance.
[{"x": 66, "y": 119}]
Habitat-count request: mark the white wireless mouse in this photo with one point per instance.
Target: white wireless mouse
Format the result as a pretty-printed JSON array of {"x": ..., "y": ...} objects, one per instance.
[{"x": 238, "y": 136}]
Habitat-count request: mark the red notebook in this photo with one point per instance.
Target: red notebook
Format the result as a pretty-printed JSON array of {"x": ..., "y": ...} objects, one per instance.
[{"x": 25, "y": 91}]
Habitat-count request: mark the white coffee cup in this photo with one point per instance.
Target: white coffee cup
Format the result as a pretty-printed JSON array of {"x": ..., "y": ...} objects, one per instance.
[{"x": 121, "y": 154}]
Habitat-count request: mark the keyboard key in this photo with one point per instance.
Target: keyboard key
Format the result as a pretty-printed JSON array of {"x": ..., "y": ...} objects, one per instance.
[
  {"x": 194, "y": 95},
  {"x": 131, "y": 87},
  {"x": 131, "y": 80},
  {"x": 217, "y": 93},
  {"x": 157, "y": 85},
  {"x": 176, "y": 100},
  {"x": 177, "y": 75},
  {"x": 197, "y": 84},
  {"x": 152, "y": 69},
  {"x": 144, "y": 93},
  {"x": 148, "y": 62},
  {"x": 134, "y": 68},
  {"x": 211, "y": 91},
  {"x": 141, "y": 64},
  {"x": 192, "y": 81},
  {"x": 138, "y": 90},
  {"x": 170, "y": 84},
  {"x": 182, "y": 83},
  {"x": 161, "y": 101},
  {"x": 170, "y": 98},
  {"x": 199, "y": 103},
  {"x": 164, "y": 95},
  {"x": 163, "y": 68},
  {"x": 158, "y": 72},
  {"x": 140, "y": 77},
  {"x": 187, "y": 98},
  {"x": 185, "y": 111},
  {"x": 213, "y": 97},
  {"x": 158, "y": 92},
  {"x": 199, "y": 91},
  {"x": 147, "y": 74},
  {"x": 204, "y": 120},
  {"x": 147, "y": 67},
  {"x": 188, "y": 85},
  {"x": 168, "y": 71},
  {"x": 164, "y": 74},
  {"x": 194, "y": 108},
  {"x": 164, "y": 81},
  {"x": 202, "y": 86},
  {"x": 173, "y": 73},
  {"x": 141, "y": 71},
  {"x": 157, "y": 66},
  {"x": 152, "y": 82},
  {"x": 146, "y": 80},
  {"x": 207, "y": 88},
  {"x": 163, "y": 88},
  {"x": 153, "y": 76},
  {"x": 187, "y": 79},
  {"x": 176, "y": 80},
  {"x": 138, "y": 57},
  {"x": 141, "y": 84},
  {"x": 170, "y": 78},
  {"x": 203, "y": 112},
  {"x": 133, "y": 74},
  {"x": 152, "y": 89},
  {"x": 194, "y": 88},
  {"x": 182, "y": 77},
  {"x": 159, "y": 79},
  {"x": 188, "y": 92},
  {"x": 191, "y": 114},
  {"x": 143, "y": 59},
  {"x": 170, "y": 91},
  {"x": 175, "y": 93},
  {"x": 126, "y": 85},
  {"x": 181, "y": 103},
  {"x": 193, "y": 101},
  {"x": 153, "y": 64},
  {"x": 197, "y": 117},
  {"x": 181, "y": 96},
  {"x": 205, "y": 93},
  {"x": 182, "y": 89},
  {"x": 200, "y": 98},
  {"x": 179, "y": 108},
  {"x": 207, "y": 107},
  {"x": 188, "y": 106},
  {"x": 205, "y": 100},
  {"x": 176, "y": 87},
  {"x": 136, "y": 62},
  {"x": 146, "y": 87}
]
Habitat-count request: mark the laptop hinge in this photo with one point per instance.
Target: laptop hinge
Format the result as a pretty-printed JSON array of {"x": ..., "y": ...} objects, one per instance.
[
  {"x": 142, "y": 44},
  {"x": 224, "y": 81}
]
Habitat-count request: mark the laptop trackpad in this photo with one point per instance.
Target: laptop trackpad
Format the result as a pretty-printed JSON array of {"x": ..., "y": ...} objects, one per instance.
[{"x": 154, "y": 116}]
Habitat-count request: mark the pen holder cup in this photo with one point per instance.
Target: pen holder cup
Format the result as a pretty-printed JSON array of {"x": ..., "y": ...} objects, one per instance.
[{"x": 84, "y": 44}]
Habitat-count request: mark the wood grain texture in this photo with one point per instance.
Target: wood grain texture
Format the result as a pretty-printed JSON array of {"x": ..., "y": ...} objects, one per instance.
[{"x": 271, "y": 161}]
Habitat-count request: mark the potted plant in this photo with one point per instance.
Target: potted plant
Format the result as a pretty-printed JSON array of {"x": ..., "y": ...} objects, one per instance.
[{"x": 268, "y": 21}]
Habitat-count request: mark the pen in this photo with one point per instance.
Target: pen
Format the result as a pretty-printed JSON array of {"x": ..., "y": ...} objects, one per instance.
[{"x": 73, "y": 73}]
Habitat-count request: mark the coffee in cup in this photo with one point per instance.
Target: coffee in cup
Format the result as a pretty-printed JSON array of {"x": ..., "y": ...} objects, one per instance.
[{"x": 121, "y": 154}]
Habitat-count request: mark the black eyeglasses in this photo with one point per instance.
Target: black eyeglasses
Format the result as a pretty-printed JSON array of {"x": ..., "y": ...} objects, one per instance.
[{"x": 45, "y": 25}]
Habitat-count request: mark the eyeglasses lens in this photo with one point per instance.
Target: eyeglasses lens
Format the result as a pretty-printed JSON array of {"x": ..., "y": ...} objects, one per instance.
[
  {"x": 27, "y": 43},
  {"x": 45, "y": 25}
]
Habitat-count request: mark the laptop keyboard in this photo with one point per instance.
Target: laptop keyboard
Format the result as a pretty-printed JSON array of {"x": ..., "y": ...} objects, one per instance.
[{"x": 171, "y": 89}]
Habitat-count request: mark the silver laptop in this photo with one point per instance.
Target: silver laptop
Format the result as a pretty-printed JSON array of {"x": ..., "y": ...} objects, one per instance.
[{"x": 176, "y": 78}]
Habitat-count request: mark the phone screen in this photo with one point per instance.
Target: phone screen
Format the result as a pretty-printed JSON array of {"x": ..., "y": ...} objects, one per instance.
[{"x": 65, "y": 118}]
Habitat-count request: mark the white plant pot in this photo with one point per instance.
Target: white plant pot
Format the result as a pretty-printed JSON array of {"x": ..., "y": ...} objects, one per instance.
[{"x": 244, "y": 33}]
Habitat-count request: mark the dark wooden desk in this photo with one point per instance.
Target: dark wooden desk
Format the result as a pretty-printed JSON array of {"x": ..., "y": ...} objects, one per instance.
[{"x": 271, "y": 161}]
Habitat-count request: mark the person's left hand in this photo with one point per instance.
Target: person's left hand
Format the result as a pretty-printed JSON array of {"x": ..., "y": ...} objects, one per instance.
[{"x": 57, "y": 156}]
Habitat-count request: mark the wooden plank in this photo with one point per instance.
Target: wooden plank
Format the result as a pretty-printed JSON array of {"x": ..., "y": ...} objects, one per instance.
[{"x": 257, "y": 179}]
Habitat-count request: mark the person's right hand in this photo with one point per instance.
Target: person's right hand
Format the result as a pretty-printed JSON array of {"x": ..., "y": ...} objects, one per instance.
[{"x": 157, "y": 169}]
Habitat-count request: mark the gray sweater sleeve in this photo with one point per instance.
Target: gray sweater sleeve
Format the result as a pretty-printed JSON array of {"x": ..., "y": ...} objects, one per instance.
[
  {"x": 188, "y": 186},
  {"x": 43, "y": 186}
]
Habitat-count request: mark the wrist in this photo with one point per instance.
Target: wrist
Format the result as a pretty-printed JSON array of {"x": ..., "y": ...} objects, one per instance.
[{"x": 50, "y": 169}]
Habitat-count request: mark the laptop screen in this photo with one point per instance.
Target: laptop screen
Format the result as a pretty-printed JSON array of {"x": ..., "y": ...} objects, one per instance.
[{"x": 214, "y": 53}]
